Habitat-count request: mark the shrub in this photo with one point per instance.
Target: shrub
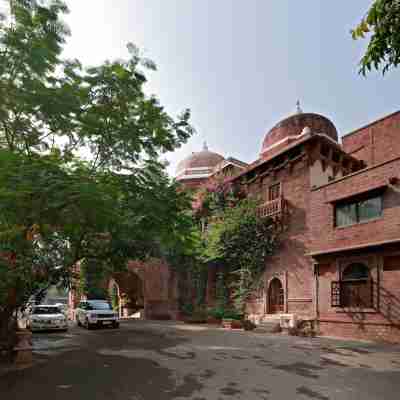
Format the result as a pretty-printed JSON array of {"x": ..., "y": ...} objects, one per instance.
[
  {"x": 199, "y": 316},
  {"x": 217, "y": 313},
  {"x": 187, "y": 309},
  {"x": 232, "y": 314},
  {"x": 248, "y": 325}
]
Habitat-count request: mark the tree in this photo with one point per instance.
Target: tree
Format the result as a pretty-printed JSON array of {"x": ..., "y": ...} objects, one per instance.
[
  {"x": 242, "y": 242},
  {"x": 57, "y": 209},
  {"x": 382, "y": 25},
  {"x": 235, "y": 240}
]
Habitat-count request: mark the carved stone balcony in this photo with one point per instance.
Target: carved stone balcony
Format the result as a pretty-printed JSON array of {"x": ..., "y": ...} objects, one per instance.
[{"x": 273, "y": 208}]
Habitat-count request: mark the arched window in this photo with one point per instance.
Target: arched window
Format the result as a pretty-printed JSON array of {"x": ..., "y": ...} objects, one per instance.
[
  {"x": 356, "y": 286},
  {"x": 356, "y": 271}
]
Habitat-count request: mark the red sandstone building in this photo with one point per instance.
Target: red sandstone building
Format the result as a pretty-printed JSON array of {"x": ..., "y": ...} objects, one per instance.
[{"x": 339, "y": 262}]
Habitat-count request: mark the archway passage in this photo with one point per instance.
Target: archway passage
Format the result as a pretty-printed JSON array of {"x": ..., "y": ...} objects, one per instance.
[
  {"x": 131, "y": 293},
  {"x": 275, "y": 297}
]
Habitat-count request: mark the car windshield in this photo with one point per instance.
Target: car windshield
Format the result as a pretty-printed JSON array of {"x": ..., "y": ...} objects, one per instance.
[
  {"x": 46, "y": 310},
  {"x": 98, "y": 306}
]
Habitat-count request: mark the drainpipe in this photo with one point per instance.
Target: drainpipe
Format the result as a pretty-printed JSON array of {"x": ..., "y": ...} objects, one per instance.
[{"x": 316, "y": 296}]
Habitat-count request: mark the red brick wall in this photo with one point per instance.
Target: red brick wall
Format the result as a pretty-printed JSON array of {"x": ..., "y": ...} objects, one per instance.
[
  {"x": 193, "y": 183},
  {"x": 369, "y": 331},
  {"x": 382, "y": 321},
  {"x": 159, "y": 297},
  {"x": 377, "y": 142},
  {"x": 290, "y": 264},
  {"x": 327, "y": 237}
]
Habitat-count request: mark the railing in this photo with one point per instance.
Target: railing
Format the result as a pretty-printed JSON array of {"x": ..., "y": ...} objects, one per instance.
[{"x": 272, "y": 208}]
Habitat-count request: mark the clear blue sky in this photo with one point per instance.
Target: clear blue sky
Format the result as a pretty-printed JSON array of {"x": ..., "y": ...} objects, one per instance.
[{"x": 240, "y": 66}]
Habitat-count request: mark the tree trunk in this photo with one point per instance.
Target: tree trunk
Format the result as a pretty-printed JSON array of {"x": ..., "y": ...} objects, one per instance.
[{"x": 7, "y": 333}]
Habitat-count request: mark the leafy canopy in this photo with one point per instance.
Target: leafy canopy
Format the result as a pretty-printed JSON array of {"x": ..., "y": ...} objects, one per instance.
[
  {"x": 56, "y": 207},
  {"x": 382, "y": 25},
  {"x": 237, "y": 240}
]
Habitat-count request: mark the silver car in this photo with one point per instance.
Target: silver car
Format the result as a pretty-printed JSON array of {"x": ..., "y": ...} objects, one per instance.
[
  {"x": 92, "y": 313},
  {"x": 46, "y": 317}
]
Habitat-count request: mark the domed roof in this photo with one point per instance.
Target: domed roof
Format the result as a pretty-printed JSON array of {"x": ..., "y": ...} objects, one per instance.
[
  {"x": 294, "y": 125},
  {"x": 200, "y": 160}
]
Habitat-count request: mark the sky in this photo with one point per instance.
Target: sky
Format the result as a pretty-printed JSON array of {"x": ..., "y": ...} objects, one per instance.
[{"x": 240, "y": 66}]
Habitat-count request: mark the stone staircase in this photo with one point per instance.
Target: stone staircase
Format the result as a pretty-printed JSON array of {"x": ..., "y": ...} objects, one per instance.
[{"x": 268, "y": 324}]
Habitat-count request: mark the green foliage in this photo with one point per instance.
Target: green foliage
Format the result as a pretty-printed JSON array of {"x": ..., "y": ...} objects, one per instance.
[
  {"x": 242, "y": 242},
  {"x": 198, "y": 316},
  {"x": 225, "y": 313},
  {"x": 92, "y": 279},
  {"x": 382, "y": 25},
  {"x": 217, "y": 313},
  {"x": 187, "y": 309},
  {"x": 232, "y": 314},
  {"x": 114, "y": 297},
  {"x": 221, "y": 291},
  {"x": 47, "y": 100},
  {"x": 55, "y": 208}
]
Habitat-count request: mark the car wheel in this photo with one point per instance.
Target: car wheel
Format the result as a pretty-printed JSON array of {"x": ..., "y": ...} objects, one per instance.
[
  {"x": 115, "y": 325},
  {"x": 88, "y": 325}
]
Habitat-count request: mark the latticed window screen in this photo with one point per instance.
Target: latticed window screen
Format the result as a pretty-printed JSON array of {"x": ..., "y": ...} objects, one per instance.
[
  {"x": 274, "y": 191},
  {"x": 335, "y": 294},
  {"x": 356, "y": 289},
  {"x": 357, "y": 294}
]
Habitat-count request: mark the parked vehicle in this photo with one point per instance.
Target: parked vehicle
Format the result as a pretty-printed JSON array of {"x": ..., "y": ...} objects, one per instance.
[
  {"x": 46, "y": 317},
  {"x": 91, "y": 313}
]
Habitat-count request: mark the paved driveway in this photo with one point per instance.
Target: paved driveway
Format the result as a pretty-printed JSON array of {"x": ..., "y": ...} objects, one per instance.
[{"x": 165, "y": 360}]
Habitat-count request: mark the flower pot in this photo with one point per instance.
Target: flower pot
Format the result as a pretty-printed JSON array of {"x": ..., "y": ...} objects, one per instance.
[
  {"x": 231, "y": 324},
  {"x": 213, "y": 320}
]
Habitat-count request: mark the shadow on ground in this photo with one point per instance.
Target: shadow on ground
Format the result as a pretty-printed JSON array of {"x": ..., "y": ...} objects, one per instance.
[{"x": 88, "y": 374}]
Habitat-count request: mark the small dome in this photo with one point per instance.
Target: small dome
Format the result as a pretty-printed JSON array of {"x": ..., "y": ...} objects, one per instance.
[
  {"x": 295, "y": 125},
  {"x": 201, "y": 162}
]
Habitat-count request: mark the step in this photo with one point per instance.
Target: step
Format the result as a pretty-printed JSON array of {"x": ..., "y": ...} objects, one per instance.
[
  {"x": 267, "y": 327},
  {"x": 271, "y": 319}
]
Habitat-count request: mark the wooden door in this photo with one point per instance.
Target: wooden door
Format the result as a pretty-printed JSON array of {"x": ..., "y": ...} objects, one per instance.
[{"x": 275, "y": 297}]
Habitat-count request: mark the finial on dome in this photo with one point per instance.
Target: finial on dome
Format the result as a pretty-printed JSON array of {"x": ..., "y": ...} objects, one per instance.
[
  {"x": 298, "y": 108},
  {"x": 205, "y": 147}
]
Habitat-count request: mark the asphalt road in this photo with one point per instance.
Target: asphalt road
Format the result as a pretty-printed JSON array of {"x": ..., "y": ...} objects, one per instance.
[{"x": 148, "y": 360}]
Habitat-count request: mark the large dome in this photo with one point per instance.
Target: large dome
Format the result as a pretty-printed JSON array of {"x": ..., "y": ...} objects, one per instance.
[
  {"x": 293, "y": 126},
  {"x": 199, "y": 163}
]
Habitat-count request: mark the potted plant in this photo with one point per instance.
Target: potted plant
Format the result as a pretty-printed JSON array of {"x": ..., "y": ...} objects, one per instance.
[
  {"x": 215, "y": 316},
  {"x": 232, "y": 320},
  {"x": 199, "y": 316}
]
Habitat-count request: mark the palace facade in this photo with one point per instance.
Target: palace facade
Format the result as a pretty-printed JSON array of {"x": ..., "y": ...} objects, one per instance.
[
  {"x": 339, "y": 261},
  {"x": 338, "y": 264}
]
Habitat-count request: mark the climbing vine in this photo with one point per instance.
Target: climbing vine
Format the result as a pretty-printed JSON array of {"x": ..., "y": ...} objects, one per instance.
[{"x": 236, "y": 239}]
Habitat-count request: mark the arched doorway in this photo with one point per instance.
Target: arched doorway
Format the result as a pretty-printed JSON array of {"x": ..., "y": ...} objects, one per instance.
[
  {"x": 131, "y": 293},
  {"x": 275, "y": 297}
]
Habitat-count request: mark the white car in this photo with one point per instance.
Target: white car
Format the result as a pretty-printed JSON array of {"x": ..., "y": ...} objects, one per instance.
[
  {"x": 47, "y": 317},
  {"x": 92, "y": 313}
]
